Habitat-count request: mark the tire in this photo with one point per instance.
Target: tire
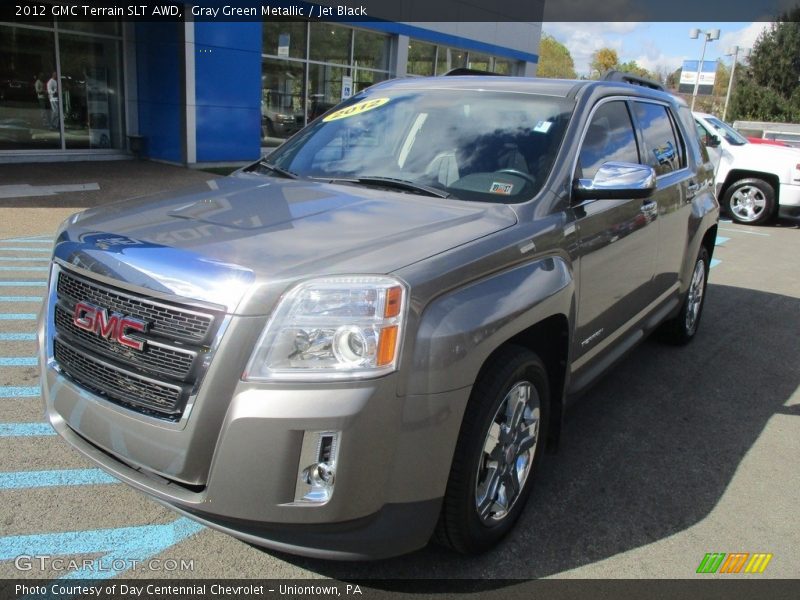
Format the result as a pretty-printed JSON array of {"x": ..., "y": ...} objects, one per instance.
[
  {"x": 750, "y": 201},
  {"x": 681, "y": 329},
  {"x": 493, "y": 459}
]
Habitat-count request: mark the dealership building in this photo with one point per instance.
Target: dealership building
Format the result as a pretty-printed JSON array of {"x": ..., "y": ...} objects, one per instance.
[{"x": 201, "y": 92}]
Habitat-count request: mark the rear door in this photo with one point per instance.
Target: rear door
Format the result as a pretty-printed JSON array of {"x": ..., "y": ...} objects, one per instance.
[{"x": 664, "y": 149}]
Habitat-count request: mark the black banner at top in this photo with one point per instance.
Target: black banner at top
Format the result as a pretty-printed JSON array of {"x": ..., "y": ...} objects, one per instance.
[{"x": 453, "y": 11}]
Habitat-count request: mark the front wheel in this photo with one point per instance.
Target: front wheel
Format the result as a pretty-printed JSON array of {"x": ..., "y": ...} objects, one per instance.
[
  {"x": 682, "y": 328},
  {"x": 750, "y": 201},
  {"x": 498, "y": 451}
]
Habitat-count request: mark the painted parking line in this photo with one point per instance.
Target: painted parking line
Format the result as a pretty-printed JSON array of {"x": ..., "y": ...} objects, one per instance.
[
  {"x": 37, "y": 479},
  {"x": 17, "y": 337},
  {"x": 23, "y": 259},
  {"x": 21, "y": 298},
  {"x": 27, "y": 283},
  {"x": 26, "y": 268},
  {"x": 721, "y": 240},
  {"x": 17, "y": 316},
  {"x": 25, "y": 429},
  {"x": 20, "y": 391},
  {"x": 744, "y": 231},
  {"x": 18, "y": 361},
  {"x": 714, "y": 263},
  {"x": 120, "y": 546},
  {"x": 24, "y": 249}
]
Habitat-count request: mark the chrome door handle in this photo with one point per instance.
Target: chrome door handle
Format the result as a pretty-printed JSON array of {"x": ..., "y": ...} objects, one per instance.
[{"x": 693, "y": 187}]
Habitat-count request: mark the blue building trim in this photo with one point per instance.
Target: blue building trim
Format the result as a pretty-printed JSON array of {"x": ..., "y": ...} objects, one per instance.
[
  {"x": 227, "y": 67},
  {"x": 445, "y": 39},
  {"x": 159, "y": 62}
]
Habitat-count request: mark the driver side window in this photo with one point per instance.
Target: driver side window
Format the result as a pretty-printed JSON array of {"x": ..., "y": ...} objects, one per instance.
[{"x": 609, "y": 137}]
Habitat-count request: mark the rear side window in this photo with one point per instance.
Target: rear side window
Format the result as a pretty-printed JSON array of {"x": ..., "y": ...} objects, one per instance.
[
  {"x": 609, "y": 137},
  {"x": 664, "y": 150}
]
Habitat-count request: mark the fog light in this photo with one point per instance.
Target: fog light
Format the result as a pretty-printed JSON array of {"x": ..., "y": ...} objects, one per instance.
[{"x": 317, "y": 472}]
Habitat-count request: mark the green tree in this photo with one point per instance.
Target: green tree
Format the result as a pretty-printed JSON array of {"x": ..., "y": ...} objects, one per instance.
[
  {"x": 555, "y": 60},
  {"x": 603, "y": 60},
  {"x": 770, "y": 89},
  {"x": 635, "y": 68}
]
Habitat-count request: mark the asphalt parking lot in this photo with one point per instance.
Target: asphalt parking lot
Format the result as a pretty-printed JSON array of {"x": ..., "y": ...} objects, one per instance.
[{"x": 676, "y": 453}]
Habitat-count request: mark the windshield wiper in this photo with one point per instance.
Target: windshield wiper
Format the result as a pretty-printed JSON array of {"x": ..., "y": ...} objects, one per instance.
[
  {"x": 278, "y": 170},
  {"x": 400, "y": 184}
]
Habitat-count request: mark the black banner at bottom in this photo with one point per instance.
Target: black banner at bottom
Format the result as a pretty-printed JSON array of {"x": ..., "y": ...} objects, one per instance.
[{"x": 508, "y": 589}]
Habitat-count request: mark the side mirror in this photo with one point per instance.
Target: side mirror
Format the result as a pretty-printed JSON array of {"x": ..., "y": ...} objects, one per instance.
[
  {"x": 617, "y": 180},
  {"x": 712, "y": 141}
]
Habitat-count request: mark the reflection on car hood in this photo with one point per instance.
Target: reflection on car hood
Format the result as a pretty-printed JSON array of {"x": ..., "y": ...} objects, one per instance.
[{"x": 214, "y": 242}]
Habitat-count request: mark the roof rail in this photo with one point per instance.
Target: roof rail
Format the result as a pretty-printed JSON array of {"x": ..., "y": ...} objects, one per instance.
[
  {"x": 614, "y": 75},
  {"x": 466, "y": 71}
]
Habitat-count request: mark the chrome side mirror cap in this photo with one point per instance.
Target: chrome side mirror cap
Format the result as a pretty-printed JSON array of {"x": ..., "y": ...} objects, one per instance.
[{"x": 617, "y": 180}]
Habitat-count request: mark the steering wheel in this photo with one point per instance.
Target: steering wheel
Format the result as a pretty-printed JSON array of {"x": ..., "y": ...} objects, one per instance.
[{"x": 518, "y": 173}]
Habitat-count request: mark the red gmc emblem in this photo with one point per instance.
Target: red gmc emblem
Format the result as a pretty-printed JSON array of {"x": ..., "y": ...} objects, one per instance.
[{"x": 115, "y": 327}]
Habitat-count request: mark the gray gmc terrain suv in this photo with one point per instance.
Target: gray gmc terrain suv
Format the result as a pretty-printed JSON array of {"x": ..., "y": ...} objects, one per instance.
[{"x": 369, "y": 338}]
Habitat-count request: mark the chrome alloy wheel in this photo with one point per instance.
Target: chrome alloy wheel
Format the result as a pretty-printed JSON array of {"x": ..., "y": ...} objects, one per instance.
[
  {"x": 508, "y": 452},
  {"x": 748, "y": 203},
  {"x": 695, "y": 298}
]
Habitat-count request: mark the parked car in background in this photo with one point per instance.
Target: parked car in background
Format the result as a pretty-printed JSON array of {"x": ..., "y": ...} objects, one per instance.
[
  {"x": 754, "y": 182},
  {"x": 758, "y": 140}
]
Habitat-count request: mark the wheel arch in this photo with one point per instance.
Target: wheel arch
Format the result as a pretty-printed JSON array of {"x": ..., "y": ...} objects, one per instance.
[{"x": 735, "y": 175}]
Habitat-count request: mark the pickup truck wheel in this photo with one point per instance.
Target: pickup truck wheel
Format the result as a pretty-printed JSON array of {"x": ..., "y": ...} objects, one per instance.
[
  {"x": 750, "y": 201},
  {"x": 498, "y": 451},
  {"x": 681, "y": 329}
]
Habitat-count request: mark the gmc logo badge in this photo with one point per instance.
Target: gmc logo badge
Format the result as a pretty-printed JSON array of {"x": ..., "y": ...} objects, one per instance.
[{"x": 115, "y": 327}]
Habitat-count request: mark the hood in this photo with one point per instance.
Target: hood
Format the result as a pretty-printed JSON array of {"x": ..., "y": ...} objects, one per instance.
[{"x": 216, "y": 241}]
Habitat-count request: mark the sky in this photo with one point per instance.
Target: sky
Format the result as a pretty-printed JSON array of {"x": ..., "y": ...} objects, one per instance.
[{"x": 652, "y": 45}]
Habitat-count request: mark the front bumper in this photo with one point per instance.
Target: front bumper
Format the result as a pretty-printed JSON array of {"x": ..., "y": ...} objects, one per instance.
[
  {"x": 789, "y": 199},
  {"x": 393, "y": 459}
]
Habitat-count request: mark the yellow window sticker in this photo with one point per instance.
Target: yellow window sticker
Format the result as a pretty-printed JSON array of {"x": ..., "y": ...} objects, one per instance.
[{"x": 356, "y": 109}]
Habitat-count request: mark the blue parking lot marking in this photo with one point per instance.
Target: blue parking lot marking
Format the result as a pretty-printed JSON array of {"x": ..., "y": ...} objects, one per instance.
[
  {"x": 17, "y": 337},
  {"x": 26, "y": 283},
  {"x": 4, "y": 268},
  {"x": 21, "y": 298},
  {"x": 24, "y": 249},
  {"x": 17, "y": 316},
  {"x": 18, "y": 361},
  {"x": 25, "y": 429},
  {"x": 714, "y": 263},
  {"x": 121, "y": 544},
  {"x": 23, "y": 259},
  {"x": 16, "y": 391},
  {"x": 36, "y": 479},
  {"x": 721, "y": 240}
]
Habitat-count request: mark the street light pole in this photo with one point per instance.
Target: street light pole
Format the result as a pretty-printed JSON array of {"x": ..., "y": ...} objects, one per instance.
[
  {"x": 708, "y": 36},
  {"x": 735, "y": 52}
]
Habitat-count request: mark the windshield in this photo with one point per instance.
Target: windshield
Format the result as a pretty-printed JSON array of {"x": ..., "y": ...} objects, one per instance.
[
  {"x": 729, "y": 133},
  {"x": 475, "y": 145}
]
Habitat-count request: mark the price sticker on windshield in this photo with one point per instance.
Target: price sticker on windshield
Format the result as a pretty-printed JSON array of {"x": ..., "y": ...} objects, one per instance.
[{"x": 356, "y": 109}]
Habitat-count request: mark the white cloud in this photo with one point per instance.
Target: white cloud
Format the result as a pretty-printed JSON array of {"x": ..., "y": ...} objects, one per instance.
[
  {"x": 744, "y": 38},
  {"x": 584, "y": 39}
]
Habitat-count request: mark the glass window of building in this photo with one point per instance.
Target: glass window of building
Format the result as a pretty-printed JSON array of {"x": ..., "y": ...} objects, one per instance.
[
  {"x": 371, "y": 50},
  {"x": 284, "y": 38},
  {"x": 364, "y": 79},
  {"x": 504, "y": 66},
  {"x": 324, "y": 88},
  {"x": 421, "y": 58},
  {"x": 481, "y": 62},
  {"x": 330, "y": 43},
  {"x": 100, "y": 27},
  {"x": 450, "y": 58},
  {"x": 282, "y": 93},
  {"x": 29, "y": 113},
  {"x": 91, "y": 91}
]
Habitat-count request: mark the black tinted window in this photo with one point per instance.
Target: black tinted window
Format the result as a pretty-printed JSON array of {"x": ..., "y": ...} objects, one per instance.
[
  {"x": 609, "y": 138},
  {"x": 664, "y": 152}
]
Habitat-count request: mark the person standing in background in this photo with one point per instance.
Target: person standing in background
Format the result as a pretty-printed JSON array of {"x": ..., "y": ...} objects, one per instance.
[
  {"x": 41, "y": 97},
  {"x": 52, "y": 93}
]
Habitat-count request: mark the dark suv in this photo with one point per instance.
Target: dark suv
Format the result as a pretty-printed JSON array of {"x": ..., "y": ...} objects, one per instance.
[{"x": 372, "y": 335}]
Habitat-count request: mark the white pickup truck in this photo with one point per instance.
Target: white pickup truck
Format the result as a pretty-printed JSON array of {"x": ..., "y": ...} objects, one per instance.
[{"x": 753, "y": 181}]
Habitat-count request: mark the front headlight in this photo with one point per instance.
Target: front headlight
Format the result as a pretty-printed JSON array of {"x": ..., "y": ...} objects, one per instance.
[{"x": 342, "y": 327}]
